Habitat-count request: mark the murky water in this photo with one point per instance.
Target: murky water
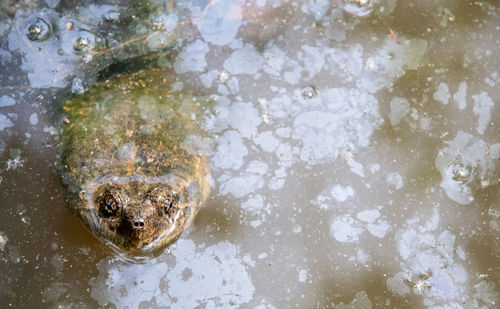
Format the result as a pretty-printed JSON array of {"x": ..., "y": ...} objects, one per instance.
[{"x": 353, "y": 145}]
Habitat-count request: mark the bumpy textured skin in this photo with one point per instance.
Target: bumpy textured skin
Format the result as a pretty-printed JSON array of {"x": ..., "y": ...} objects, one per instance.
[{"x": 121, "y": 145}]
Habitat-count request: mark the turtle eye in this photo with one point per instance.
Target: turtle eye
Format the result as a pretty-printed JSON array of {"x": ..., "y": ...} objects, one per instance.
[
  {"x": 111, "y": 202},
  {"x": 164, "y": 199}
]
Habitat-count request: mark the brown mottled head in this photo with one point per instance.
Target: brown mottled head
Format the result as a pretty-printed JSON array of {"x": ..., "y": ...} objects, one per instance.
[{"x": 138, "y": 218}]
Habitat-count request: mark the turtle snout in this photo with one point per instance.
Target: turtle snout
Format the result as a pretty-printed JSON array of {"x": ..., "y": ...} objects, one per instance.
[
  {"x": 138, "y": 224},
  {"x": 138, "y": 227},
  {"x": 137, "y": 219}
]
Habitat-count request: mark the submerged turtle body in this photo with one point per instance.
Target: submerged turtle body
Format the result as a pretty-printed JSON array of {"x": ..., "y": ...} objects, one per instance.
[{"x": 134, "y": 184}]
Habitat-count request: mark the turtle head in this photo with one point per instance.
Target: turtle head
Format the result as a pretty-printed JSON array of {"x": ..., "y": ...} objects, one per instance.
[{"x": 135, "y": 217}]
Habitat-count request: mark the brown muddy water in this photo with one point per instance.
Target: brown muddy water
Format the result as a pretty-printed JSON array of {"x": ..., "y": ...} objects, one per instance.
[{"x": 354, "y": 148}]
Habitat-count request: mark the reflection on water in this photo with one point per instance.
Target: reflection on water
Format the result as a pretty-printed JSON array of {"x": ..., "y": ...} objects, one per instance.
[{"x": 353, "y": 146}]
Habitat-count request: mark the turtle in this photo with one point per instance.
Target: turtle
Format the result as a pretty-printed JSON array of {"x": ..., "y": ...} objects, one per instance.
[
  {"x": 124, "y": 148},
  {"x": 126, "y": 158}
]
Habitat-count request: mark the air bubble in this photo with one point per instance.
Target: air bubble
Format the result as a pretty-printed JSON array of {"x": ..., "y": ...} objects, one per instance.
[
  {"x": 39, "y": 30},
  {"x": 461, "y": 172},
  {"x": 309, "y": 92},
  {"x": 85, "y": 42},
  {"x": 81, "y": 44}
]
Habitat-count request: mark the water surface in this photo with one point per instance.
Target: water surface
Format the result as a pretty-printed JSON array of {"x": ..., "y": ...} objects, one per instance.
[{"x": 354, "y": 152}]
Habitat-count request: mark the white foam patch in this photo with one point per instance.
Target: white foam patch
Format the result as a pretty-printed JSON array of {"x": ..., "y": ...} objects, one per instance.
[
  {"x": 361, "y": 256},
  {"x": 220, "y": 22},
  {"x": 230, "y": 151},
  {"x": 277, "y": 182},
  {"x": 208, "y": 78},
  {"x": 241, "y": 116},
  {"x": 389, "y": 62},
  {"x": 245, "y": 60},
  {"x": 267, "y": 141},
  {"x": 212, "y": 276},
  {"x": 302, "y": 275},
  {"x": 313, "y": 59},
  {"x": 124, "y": 284},
  {"x": 369, "y": 216},
  {"x": 337, "y": 193},
  {"x": 274, "y": 58},
  {"x": 318, "y": 8},
  {"x": 395, "y": 180},
  {"x": 215, "y": 275},
  {"x": 461, "y": 96},
  {"x": 429, "y": 264},
  {"x": 6, "y": 101},
  {"x": 247, "y": 182},
  {"x": 347, "y": 62},
  {"x": 233, "y": 85},
  {"x": 337, "y": 118},
  {"x": 341, "y": 193},
  {"x": 442, "y": 93},
  {"x": 244, "y": 118},
  {"x": 400, "y": 107},
  {"x": 379, "y": 229},
  {"x": 397, "y": 284},
  {"x": 482, "y": 108},
  {"x": 5, "y": 122},
  {"x": 334, "y": 120},
  {"x": 346, "y": 229},
  {"x": 356, "y": 167},
  {"x": 254, "y": 205},
  {"x": 294, "y": 74},
  {"x": 467, "y": 164},
  {"x": 33, "y": 119},
  {"x": 192, "y": 58}
]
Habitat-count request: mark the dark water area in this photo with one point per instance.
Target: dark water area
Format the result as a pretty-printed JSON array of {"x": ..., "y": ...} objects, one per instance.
[{"x": 354, "y": 148}]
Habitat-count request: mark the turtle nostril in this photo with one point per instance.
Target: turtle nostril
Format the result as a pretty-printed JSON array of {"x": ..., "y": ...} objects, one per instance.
[{"x": 138, "y": 224}]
